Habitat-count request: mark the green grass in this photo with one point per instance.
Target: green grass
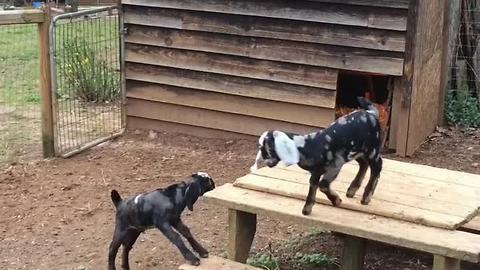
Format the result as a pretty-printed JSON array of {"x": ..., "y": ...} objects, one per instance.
[
  {"x": 20, "y": 77},
  {"x": 19, "y": 65},
  {"x": 19, "y": 59}
]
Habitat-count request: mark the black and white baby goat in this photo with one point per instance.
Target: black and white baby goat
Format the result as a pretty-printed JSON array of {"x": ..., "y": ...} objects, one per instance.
[
  {"x": 159, "y": 209},
  {"x": 355, "y": 136}
]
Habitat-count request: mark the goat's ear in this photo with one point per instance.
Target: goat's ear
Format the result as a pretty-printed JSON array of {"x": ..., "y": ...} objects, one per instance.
[
  {"x": 286, "y": 149},
  {"x": 191, "y": 194}
]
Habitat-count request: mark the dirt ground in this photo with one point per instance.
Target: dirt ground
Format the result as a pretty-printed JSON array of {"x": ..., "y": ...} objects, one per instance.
[{"x": 57, "y": 214}]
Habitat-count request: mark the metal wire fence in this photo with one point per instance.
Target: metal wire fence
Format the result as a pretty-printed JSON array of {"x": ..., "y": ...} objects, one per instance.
[
  {"x": 19, "y": 93},
  {"x": 87, "y": 78},
  {"x": 463, "y": 92}
]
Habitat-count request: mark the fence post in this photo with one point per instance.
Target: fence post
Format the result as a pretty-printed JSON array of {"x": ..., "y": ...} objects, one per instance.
[
  {"x": 46, "y": 86},
  {"x": 450, "y": 34}
]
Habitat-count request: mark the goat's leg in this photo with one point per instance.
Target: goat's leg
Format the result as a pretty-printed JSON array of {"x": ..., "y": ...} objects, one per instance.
[
  {"x": 130, "y": 238},
  {"x": 118, "y": 237},
  {"x": 357, "y": 181},
  {"x": 324, "y": 186},
  {"x": 312, "y": 193},
  {"x": 375, "y": 169},
  {"x": 175, "y": 239},
  {"x": 185, "y": 231}
]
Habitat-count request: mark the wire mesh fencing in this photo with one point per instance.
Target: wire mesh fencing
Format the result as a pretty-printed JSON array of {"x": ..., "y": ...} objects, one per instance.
[
  {"x": 20, "y": 128},
  {"x": 463, "y": 90},
  {"x": 87, "y": 78}
]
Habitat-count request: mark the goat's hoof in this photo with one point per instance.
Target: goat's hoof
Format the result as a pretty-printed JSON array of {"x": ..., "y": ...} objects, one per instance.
[
  {"x": 194, "y": 262},
  {"x": 203, "y": 254},
  {"x": 351, "y": 193},
  {"x": 337, "y": 201},
  {"x": 366, "y": 201},
  {"x": 307, "y": 210}
]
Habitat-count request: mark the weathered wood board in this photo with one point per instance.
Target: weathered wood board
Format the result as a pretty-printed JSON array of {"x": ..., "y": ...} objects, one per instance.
[
  {"x": 449, "y": 243},
  {"x": 217, "y": 263},
  {"x": 423, "y": 200}
]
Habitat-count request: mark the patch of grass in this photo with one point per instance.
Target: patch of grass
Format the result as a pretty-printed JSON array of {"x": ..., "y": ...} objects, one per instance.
[
  {"x": 264, "y": 261},
  {"x": 314, "y": 259},
  {"x": 461, "y": 109}
]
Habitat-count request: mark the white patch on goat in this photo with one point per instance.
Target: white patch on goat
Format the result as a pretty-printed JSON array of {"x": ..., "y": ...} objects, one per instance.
[
  {"x": 299, "y": 141},
  {"x": 329, "y": 155},
  {"x": 203, "y": 174},
  {"x": 335, "y": 131},
  {"x": 342, "y": 121},
  {"x": 373, "y": 119},
  {"x": 257, "y": 160},
  {"x": 328, "y": 138},
  {"x": 377, "y": 135},
  {"x": 137, "y": 198},
  {"x": 326, "y": 146},
  {"x": 285, "y": 148},
  {"x": 372, "y": 154},
  {"x": 363, "y": 118},
  {"x": 262, "y": 138}
]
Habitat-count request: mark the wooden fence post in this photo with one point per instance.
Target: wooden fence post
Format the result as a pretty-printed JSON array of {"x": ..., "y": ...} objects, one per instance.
[{"x": 46, "y": 86}]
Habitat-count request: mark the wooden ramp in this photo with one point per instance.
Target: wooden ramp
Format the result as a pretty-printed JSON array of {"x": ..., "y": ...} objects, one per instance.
[
  {"x": 217, "y": 263},
  {"x": 409, "y": 192}
]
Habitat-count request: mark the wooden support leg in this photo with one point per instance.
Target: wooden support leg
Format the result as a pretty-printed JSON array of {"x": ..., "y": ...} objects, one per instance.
[
  {"x": 445, "y": 263},
  {"x": 353, "y": 253},
  {"x": 242, "y": 227}
]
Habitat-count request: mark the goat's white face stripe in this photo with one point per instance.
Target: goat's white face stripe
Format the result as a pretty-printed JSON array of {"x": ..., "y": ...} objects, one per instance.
[
  {"x": 257, "y": 160},
  {"x": 137, "y": 198},
  {"x": 262, "y": 138},
  {"x": 285, "y": 148},
  {"x": 203, "y": 174}
]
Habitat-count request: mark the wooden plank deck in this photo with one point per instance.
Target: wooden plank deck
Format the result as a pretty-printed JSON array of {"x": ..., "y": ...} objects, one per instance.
[
  {"x": 448, "y": 243},
  {"x": 429, "y": 198}
]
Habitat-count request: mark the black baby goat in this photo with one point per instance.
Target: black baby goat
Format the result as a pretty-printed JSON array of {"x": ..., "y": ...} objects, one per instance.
[{"x": 159, "y": 209}]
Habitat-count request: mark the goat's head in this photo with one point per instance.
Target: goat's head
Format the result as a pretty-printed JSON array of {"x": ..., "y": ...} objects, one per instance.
[
  {"x": 200, "y": 184},
  {"x": 273, "y": 147}
]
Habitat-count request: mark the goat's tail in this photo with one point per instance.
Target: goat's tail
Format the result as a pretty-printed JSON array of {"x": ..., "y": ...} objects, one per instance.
[
  {"x": 367, "y": 105},
  {"x": 116, "y": 199}
]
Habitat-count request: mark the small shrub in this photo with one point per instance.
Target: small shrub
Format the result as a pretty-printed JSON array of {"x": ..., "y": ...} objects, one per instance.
[
  {"x": 86, "y": 75},
  {"x": 264, "y": 261},
  {"x": 462, "y": 109},
  {"x": 314, "y": 259}
]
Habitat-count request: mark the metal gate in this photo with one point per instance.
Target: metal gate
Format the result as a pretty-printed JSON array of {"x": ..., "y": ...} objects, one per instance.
[{"x": 87, "y": 78}]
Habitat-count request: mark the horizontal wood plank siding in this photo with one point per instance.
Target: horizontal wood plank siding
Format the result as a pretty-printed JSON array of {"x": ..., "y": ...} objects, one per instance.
[
  {"x": 232, "y": 85},
  {"x": 294, "y": 113},
  {"x": 208, "y": 119},
  {"x": 245, "y": 66},
  {"x": 233, "y": 65},
  {"x": 382, "y": 18},
  {"x": 356, "y": 59},
  {"x": 266, "y": 27}
]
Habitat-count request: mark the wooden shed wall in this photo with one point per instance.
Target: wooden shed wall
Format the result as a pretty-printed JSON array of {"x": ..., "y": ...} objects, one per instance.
[{"x": 245, "y": 66}]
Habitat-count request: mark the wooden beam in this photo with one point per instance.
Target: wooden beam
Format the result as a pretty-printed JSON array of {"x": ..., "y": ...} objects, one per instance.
[
  {"x": 354, "y": 249},
  {"x": 374, "y": 3},
  {"x": 355, "y": 59},
  {"x": 232, "y": 85},
  {"x": 445, "y": 263},
  {"x": 46, "y": 87},
  {"x": 21, "y": 16},
  {"x": 381, "y": 18},
  {"x": 403, "y": 87},
  {"x": 217, "y": 263},
  {"x": 233, "y": 65},
  {"x": 241, "y": 231},
  {"x": 253, "y": 26}
]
